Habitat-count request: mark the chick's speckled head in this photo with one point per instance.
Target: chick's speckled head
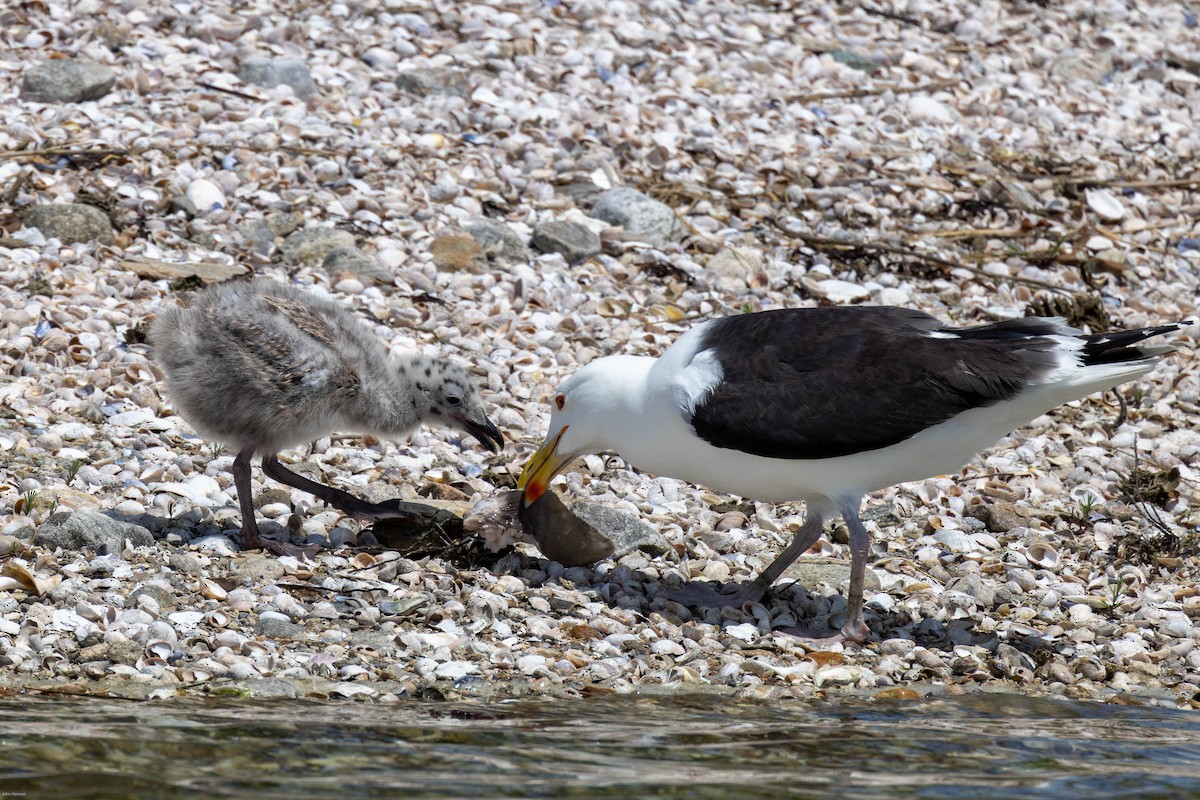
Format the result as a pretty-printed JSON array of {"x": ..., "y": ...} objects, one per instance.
[{"x": 450, "y": 395}]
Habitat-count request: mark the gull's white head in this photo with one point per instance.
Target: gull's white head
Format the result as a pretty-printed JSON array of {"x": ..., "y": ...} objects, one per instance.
[{"x": 589, "y": 413}]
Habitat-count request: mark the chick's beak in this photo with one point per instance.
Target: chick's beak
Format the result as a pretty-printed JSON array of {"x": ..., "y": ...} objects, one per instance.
[
  {"x": 488, "y": 434},
  {"x": 541, "y": 468}
]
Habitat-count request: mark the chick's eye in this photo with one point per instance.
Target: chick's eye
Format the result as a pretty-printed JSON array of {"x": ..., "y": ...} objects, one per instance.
[
  {"x": 560, "y": 400},
  {"x": 454, "y": 400}
]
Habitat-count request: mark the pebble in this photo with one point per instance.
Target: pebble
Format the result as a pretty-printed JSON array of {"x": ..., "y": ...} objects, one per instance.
[
  {"x": 351, "y": 259},
  {"x": 574, "y": 242},
  {"x": 641, "y": 216},
  {"x": 272, "y": 72},
  {"x": 69, "y": 222},
  {"x": 311, "y": 246},
  {"x": 205, "y": 196},
  {"x": 67, "y": 80},
  {"x": 498, "y": 239}
]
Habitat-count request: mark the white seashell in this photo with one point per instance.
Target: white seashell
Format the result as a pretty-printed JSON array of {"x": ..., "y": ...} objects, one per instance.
[
  {"x": 131, "y": 419},
  {"x": 986, "y": 541},
  {"x": 159, "y": 649},
  {"x": 1043, "y": 555},
  {"x": 834, "y": 675},
  {"x": 205, "y": 195},
  {"x": 185, "y": 620},
  {"x": 1105, "y": 204},
  {"x": 200, "y": 489},
  {"x": 191, "y": 676},
  {"x": 922, "y": 107},
  {"x": 212, "y": 590},
  {"x": 240, "y": 600},
  {"x": 836, "y": 291},
  {"x": 1086, "y": 496},
  {"x": 218, "y": 619},
  {"x": 25, "y": 578}
]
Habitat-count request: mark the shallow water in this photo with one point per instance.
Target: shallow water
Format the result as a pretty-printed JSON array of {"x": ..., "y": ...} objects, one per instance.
[{"x": 695, "y": 746}]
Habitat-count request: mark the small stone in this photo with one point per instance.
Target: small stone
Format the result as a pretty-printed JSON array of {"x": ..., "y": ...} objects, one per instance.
[
  {"x": 273, "y": 627},
  {"x": 497, "y": 238},
  {"x": 351, "y": 259},
  {"x": 836, "y": 291},
  {"x": 562, "y": 535},
  {"x": 69, "y": 222},
  {"x": 309, "y": 247},
  {"x": 205, "y": 196},
  {"x": 812, "y": 572},
  {"x": 66, "y": 80},
  {"x": 458, "y": 252},
  {"x": 257, "y": 569},
  {"x": 975, "y": 587},
  {"x": 87, "y": 528},
  {"x": 272, "y": 495},
  {"x": 185, "y": 562},
  {"x": 572, "y": 241},
  {"x": 424, "y": 82},
  {"x": 641, "y": 216},
  {"x": 626, "y": 531},
  {"x": 126, "y": 652},
  {"x": 161, "y": 596},
  {"x": 272, "y": 72}
]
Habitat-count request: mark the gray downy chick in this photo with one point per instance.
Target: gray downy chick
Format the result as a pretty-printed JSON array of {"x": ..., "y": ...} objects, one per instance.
[{"x": 262, "y": 366}]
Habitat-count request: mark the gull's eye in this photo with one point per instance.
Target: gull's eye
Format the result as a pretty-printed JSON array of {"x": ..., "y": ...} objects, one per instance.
[
  {"x": 560, "y": 400},
  {"x": 453, "y": 399}
]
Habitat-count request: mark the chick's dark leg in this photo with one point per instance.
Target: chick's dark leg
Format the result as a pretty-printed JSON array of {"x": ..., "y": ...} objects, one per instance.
[
  {"x": 251, "y": 537},
  {"x": 700, "y": 594},
  {"x": 344, "y": 501}
]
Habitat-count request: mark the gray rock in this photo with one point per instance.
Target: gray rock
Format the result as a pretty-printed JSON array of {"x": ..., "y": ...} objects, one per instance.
[
  {"x": 181, "y": 202},
  {"x": 974, "y": 586},
  {"x": 275, "y": 628},
  {"x": 256, "y": 234},
  {"x": 627, "y": 531},
  {"x": 272, "y": 494},
  {"x": 812, "y": 572},
  {"x": 69, "y": 222},
  {"x": 497, "y": 238},
  {"x": 309, "y": 247},
  {"x": 582, "y": 192},
  {"x": 87, "y": 528},
  {"x": 272, "y": 72},
  {"x": 999, "y": 516},
  {"x": 561, "y": 535},
  {"x": 641, "y": 216},
  {"x": 161, "y": 596},
  {"x": 256, "y": 568},
  {"x": 424, "y": 82},
  {"x": 66, "y": 80},
  {"x": 185, "y": 562},
  {"x": 572, "y": 241},
  {"x": 124, "y": 652},
  {"x": 351, "y": 259}
]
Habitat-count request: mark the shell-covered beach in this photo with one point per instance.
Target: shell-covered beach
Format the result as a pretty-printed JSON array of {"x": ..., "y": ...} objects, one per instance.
[{"x": 521, "y": 187}]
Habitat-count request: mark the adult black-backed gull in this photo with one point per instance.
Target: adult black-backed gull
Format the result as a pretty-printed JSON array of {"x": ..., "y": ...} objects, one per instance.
[
  {"x": 824, "y": 405},
  {"x": 262, "y": 366}
]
